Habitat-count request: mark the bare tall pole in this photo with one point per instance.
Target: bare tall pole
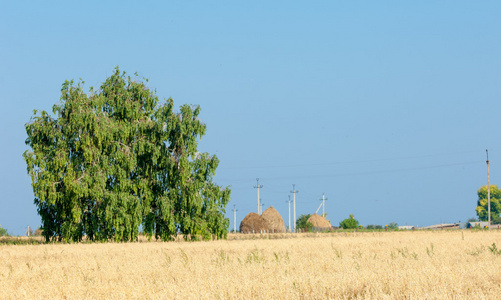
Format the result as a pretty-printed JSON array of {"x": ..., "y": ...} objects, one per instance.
[
  {"x": 294, "y": 192},
  {"x": 488, "y": 193},
  {"x": 234, "y": 219},
  {"x": 289, "y": 212},
  {"x": 258, "y": 199},
  {"x": 323, "y": 204}
]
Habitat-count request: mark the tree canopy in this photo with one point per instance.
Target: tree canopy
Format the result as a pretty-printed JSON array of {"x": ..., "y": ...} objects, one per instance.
[
  {"x": 3, "y": 231},
  {"x": 114, "y": 159},
  {"x": 302, "y": 222},
  {"x": 349, "y": 223},
  {"x": 482, "y": 203},
  {"x": 393, "y": 225}
]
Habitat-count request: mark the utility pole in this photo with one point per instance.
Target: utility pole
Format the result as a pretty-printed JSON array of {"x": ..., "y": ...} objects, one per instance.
[
  {"x": 28, "y": 231},
  {"x": 323, "y": 204},
  {"x": 294, "y": 192},
  {"x": 258, "y": 205},
  {"x": 234, "y": 219},
  {"x": 289, "y": 213},
  {"x": 488, "y": 192},
  {"x": 261, "y": 204}
]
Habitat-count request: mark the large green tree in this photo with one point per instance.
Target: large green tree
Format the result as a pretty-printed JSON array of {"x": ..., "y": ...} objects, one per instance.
[
  {"x": 115, "y": 158},
  {"x": 482, "y": 202}
]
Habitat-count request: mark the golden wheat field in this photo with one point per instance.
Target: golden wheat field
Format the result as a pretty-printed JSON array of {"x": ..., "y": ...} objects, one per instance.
[{"x": 379, "y": 265}]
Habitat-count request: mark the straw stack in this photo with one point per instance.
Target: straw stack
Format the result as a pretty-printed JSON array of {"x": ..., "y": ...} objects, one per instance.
[
  {"x": 253, "y": 223},
  {"x": 319, "y": 221},
  {"x": 274, "y": 220}
]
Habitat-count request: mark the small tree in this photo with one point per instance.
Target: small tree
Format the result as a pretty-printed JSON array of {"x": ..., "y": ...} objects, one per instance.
[
  {"x": 350, "y": 223},
  {"x": 393, "y": 226},
  {"x": 3, "y": 232},
  {"x": 482, "y": 202},
  {"x": 302, "y": 222}
]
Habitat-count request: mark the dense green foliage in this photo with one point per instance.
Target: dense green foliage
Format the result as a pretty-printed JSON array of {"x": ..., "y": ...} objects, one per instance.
[
  {"x": 302, "y": 222},
  {"x": 482, "y": 202},
  {"x": 115, "y": 159},
  {"x": 349, "y": 223},
  {"x": 393, "y": 226},
  {"x": 496, "y": 220}
]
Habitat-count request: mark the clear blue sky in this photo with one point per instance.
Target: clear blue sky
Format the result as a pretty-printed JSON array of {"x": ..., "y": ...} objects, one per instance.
[{"x": 386, "y": 107}]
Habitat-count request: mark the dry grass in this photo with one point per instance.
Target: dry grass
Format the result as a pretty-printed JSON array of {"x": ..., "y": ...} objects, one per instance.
[{"x": 381, "y": 265}]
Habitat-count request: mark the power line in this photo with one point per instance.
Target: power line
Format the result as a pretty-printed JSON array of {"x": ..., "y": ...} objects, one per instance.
[
  {"x": 488, "y": 192},
  {"x": 294, "y": 192},
  {"x": 377, "y": 172},
  {"x": 366, "y": 172},
  {"x": 258, "y": 199},
  {"x": 234, "y": 218},
  {"x": 351, "y": 162},
  {"x": 289, "y": 212},
  {"x": 323, "y": 204}
]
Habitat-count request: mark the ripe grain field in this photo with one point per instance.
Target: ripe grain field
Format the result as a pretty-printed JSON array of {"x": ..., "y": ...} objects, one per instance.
[{"x": 379, "y": 265}]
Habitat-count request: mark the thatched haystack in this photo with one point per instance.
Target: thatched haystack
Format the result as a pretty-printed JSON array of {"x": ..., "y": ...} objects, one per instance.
[
  {"x": 274, "y": 220},
  {"x": 253, "y": 223},
  {"x": 319, "y": 221}
]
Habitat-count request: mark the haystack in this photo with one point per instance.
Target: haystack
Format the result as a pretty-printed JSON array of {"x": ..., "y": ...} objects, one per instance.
[
  {"x": 253, "y": 223},
  {"x": 274, "y": 220},
  {"x": 319, "y": 221}
]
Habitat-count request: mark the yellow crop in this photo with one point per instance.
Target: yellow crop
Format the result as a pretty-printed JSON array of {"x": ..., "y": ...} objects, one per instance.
[{"x": 379, "y": 265}]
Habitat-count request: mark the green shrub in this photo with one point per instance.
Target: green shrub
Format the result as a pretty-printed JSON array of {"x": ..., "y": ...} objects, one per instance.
[
  {"x": 350, "y": 223},
  {"x": 3, "y": 232},
  {"x": 302, "y": 223},
  {"x": 393, "y": 226},
  {"x": 496, "y": 220}
]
